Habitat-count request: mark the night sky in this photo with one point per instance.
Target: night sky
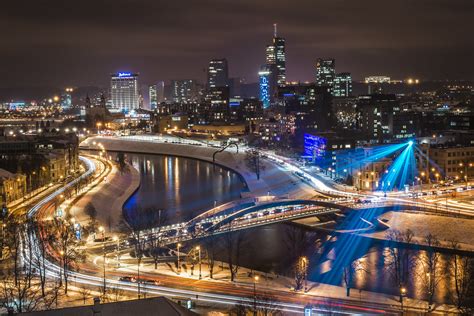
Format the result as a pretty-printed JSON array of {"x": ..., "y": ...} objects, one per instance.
[{"x": 78, "y": 43}]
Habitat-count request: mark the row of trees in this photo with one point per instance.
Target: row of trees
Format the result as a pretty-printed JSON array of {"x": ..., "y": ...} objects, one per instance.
[
  {"x": 24, "y": 285},
  {"x": 425, "y": 268}
]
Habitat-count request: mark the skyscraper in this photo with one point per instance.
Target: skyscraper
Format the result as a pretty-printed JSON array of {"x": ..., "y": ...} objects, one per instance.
[
  {"x": 184, "y": 91},
  {"x": 218, "y": 73},
  {"x": 267, "y": 84},
  {"x": 275, "y": 55},
  {"x": 325, "y": 73},
  {"x": 124, "y": 91},
  {"x": 342, "y": 85},
  {"x": 66, "y": 99},
  {"x": 152, "y": 94}
]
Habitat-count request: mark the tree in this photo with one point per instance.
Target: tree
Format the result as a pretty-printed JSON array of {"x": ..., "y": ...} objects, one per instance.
[
  {"x": 431, "y": 267},
  {"x": 63, "y": 238},
  {"x": 400, "y": 259},
  {"x": 122, "y": 164},
  {"x": 349, "y": 272},
  {"x": 461, "y": 271},
  {"x": 233, "y": 244},
  {"x": 253, "y": 159},
  {"x": 210, "y": 246},
  {"x": 154, "y": 242},
  {"x": 85, "y": 293}
]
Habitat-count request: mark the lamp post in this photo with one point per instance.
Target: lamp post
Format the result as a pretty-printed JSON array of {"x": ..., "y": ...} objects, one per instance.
[
  {"x": 304, "y": 263},
  {"x": 61, "y": 262},
  {"x": 255, "y": 280},
  {"x": 179, "y": 266},
  {"x": 403, "y": 293},
  {"x": 198, "y": 248},
  {"x": 102, "y": 231}
]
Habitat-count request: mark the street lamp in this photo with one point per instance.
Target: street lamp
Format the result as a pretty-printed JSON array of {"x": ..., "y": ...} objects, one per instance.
[
  {"x": 304, "y": 266},
  {"x": 403, "y": 293},
  {"x": 179, "y": 266},
  {"x": 255, "y": 280},
  {"x": 61, "y": 262},
  {"x": 198, "y": 248}
]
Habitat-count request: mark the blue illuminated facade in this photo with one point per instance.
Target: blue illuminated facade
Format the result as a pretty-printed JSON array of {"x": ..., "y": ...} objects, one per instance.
[
  {"x": 265, "y": 91},
  {"x": 314, "y": 147}
]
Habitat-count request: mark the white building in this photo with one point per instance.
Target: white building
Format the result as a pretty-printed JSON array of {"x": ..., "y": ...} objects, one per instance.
[{"x": 124, "y": 91}]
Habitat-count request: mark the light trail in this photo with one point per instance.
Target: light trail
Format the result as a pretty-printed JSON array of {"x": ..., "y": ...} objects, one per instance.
[{"x": 54, "y": 271}]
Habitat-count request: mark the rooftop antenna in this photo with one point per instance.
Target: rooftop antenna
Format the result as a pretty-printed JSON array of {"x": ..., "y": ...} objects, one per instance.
[{"x": 274, "y": 30}]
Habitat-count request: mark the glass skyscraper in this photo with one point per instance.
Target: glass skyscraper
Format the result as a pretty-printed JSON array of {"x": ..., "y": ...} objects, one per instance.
[{"x": 275, "y": 55}]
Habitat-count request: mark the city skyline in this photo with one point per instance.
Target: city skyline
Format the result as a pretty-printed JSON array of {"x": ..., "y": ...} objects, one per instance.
[{"x": 365, "y": 41}]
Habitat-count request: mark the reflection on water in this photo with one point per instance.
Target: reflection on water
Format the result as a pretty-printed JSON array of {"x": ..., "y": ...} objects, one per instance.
[{"x": 183, "y": 187}]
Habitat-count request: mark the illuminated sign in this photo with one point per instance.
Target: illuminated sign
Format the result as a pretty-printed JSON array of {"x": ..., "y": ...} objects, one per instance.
[{"x": 124, "y": 74}]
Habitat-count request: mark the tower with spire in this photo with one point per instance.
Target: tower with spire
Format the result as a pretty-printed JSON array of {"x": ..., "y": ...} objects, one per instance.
[{"x": 275, "y": 55}]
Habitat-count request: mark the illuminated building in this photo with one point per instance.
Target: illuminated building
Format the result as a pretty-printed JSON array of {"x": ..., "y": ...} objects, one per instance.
[
  {"x": 152, "y": 94},
  {"x": 217, "y": 73},
  {"x": 219, "y": 104},
  {"x": 184, "y": 91},
  {"x": 376, "y": 114},
  {"x": 342, "y": 85},
  {"x": 124, "y": 91},
  {"x": 325, "y": 73},
  {"x": 377, "y": 79},
  {"x": 265, "y": 86},
  {"x": 275, "y": 55}
]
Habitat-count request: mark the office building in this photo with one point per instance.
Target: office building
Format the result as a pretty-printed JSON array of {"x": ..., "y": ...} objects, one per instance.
[
  {"x": 124, "y": 91},
  {"x": 275, "y": 55},
  {"x": 184, "y": 91},
  {"x": 152, "y": 94},
  {"x": 342, "y": 85},
  {"x": 217, "y": 73},
  {"x": 325, "y": 73},
  {"x": 376, "y": 116},
  {"x": 219, "y": 104}
]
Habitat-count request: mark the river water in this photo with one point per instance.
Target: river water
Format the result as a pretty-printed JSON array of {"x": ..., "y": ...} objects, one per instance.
[{"x": 185, "y": 187}]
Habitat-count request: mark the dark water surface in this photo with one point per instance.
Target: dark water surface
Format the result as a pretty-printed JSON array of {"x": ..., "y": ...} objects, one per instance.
[{"x": 180, "y": 186}]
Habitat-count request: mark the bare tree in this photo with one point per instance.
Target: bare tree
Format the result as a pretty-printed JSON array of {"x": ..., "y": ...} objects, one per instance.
[
  {"x": 154, "y": 243},
  {"x": 349, "y": 273},
  {"x": 432, "y": 272},
  {"x": 400, "y": 259},
  {"x": 63, "y": 238},
  {"x": 210, "y": 246},
  {"x": 85, "y": 293},
  {"x": 253, "y": 161},
  {"x": 233, "y": 245},
  {"x": 461, "y": 271}
]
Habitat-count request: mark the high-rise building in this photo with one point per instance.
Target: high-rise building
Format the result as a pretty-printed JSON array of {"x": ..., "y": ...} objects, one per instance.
[
  {"x": 275, "y": 55},
  {"x": 124, "y": 91},
  {"x": 217, "y": 73},
  {"x": 325, "y": 73},
  {"x": 376, "y": 115},
  {"x": 342, "y": 85},
  {"x": 184, "y": 91},
  {"x": 160, "y": 92},
  {"x": 267, "y": 84},
  {"x": 152, "y": 94}
]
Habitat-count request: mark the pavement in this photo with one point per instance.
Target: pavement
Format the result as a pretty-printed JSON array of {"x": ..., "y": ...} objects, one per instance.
[{"x": 108, "y": 197}]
